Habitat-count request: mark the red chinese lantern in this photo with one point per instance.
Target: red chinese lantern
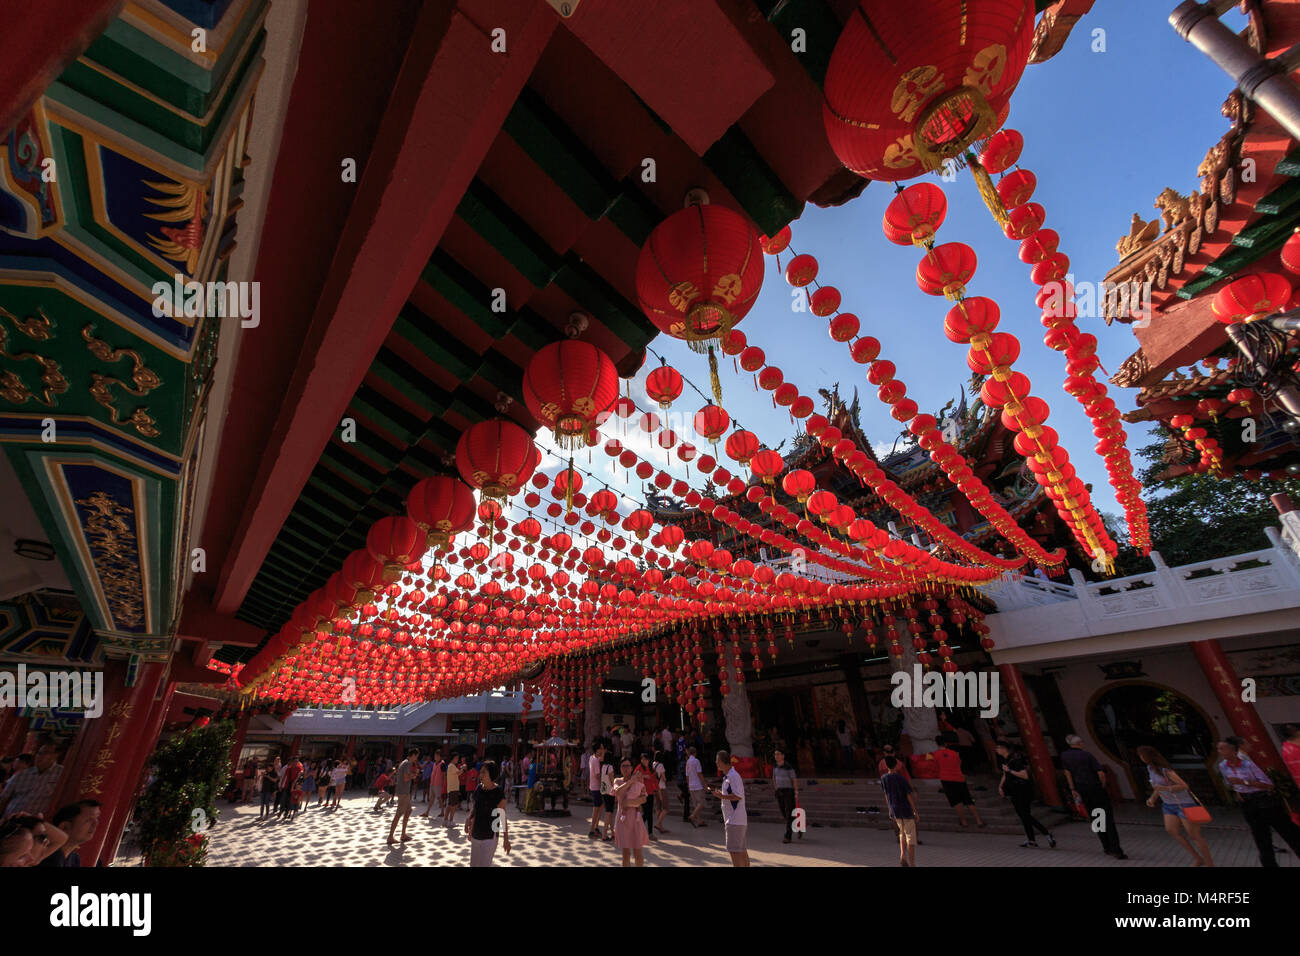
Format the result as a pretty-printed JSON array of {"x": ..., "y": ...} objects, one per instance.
[
  {"x": 1002, "y": 150},
  {"x": 711, "y": 421},
  {"x": 946, "y": 269},
  {"x": 698, "y": 274},
  {"x": 824, "y": 301},
  {"x": 441, "y": 505},
  {"x": 604, "y": 503},
  {"x": 1024, "y": 221},
  {"x": 495, "y": 456},
  {"x": 844, "y": 326},
  {"x": 566, "y": 385},
  {"x": 395, "y": 542},
  {"x": 766, "y": 465},
  {"x": 1017, "y": 187},
  {"x": 741, "y": 446},
  {"x": 776, "y": 243},
  {"x": 912, "y": 84},
  {"x": 1251, "y": 297},
  {"x": 970, "y": 317},
  {"x": 664, "y": 386},
  {"x": 799, "y": 484},
  {"x": 914, "y": 215}
]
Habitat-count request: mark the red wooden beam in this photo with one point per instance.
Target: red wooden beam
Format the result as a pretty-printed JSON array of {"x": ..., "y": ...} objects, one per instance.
[
  {"x": 38, "y": 42},
  {"x": 451, "y": 97}
]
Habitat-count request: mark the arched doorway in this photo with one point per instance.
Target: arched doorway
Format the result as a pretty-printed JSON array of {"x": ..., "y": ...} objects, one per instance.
[{"x": 1130, "y": 715}]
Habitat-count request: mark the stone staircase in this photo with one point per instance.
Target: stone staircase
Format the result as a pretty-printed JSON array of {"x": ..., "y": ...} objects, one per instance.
[{"x": 847, "y": 802}]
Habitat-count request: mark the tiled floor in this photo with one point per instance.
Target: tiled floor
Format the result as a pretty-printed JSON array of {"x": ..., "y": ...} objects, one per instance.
[{"x": 354, "y": 836}]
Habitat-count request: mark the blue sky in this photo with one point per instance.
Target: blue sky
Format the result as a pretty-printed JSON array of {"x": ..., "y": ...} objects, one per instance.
[{"x": 1104, "y": 132}]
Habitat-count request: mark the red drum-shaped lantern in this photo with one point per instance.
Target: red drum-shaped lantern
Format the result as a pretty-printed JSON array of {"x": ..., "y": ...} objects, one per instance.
[
  {"x": 770, "y": 378},
  {"x": 785, "y": 394},
  {"x": 495, "y": 456},
  {"x": 664, "y": 385},
  {"x": 752, "y": 359},
  {"x": 914, "y": 215},
  {"x": 865, "y": 350},
  {"x": 1251, "y": 297},
  {"x": 801, "y": 407},
  {"x": 1002, "y": 150},
  {"x": 604, "y": 503},
  {"x": 639, "y": 522},
  {"x": 361, "y": 571},
  {"x": 844, "y": 326},
  {"x": 711, "y": 422},
  {"x": 912, "y": 84},
  {"x": 821, "y": 503},
  {"x": 799, "y": 484},
  {"x": 776, "y": 243},
  {"x": 734, "y": 342},
  {"x": 1052, "y": 269},
  {"x": 995, "y": 394},
  {"x": 441, "y": 505},
  {"x": 824, "y": 301},
  {"x": 801, "y": 271},
  {"x": 880, "y": 372},
  {"x": 566, "y": 385},
  {"x": 971, "y": 317},
  {"x": 741, "y": 446},
  {"x": 1024, "y": 221},
  {"x": 946, "y": 269},
  {"x": 1039, "y": 246},
  {"x": 699, "y": 273},
  {"x": 395, "y": 542},
  {"x": 1003, "y": 350},
  {"x": 766, "y": 465},
  {"x": 1017, "y": 187}
]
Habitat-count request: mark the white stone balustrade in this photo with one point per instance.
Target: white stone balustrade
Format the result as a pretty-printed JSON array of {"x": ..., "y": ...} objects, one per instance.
[{"x": 1253, "y": 593}]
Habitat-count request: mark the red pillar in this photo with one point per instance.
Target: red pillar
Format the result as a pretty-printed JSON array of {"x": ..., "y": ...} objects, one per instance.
[
  {"x": 89, "y": 739},
  {"x": 114, "y": 741},
  {"x": 482, "y": 734},
  {"x": 293, "y": 747},
  {"x": 241, "y": 732},
  {"x": 351, "y": 748},
  {"x": 1245, "y": 720},
  {"x": 1040, "y": 760},
  {"x": 140, "y": 760},
  {"x": 13, "y": 732}
]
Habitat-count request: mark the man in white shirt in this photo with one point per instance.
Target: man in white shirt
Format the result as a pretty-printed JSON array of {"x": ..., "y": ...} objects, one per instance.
[
  {"x": 666, "y": 741},
  {"x": 695, "y": 781},
  {"x": 735, "y": 821}
]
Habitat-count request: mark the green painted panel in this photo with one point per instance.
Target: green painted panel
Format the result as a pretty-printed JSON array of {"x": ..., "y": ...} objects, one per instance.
[
  {"x": 740, "y": 167},
  {"x": 1280, "y": 199},
  {"x": 603, "y": 301},
  {"x": 821, "y": 31},
  {"x": 561, "y": 154},
  {"x": 509, "y": 233},
  {"x": 456, "y": 357},
  {"x": 462, "y": 289}
]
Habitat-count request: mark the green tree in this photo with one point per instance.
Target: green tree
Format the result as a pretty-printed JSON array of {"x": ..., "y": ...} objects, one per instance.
[
  {"x": 173, "y": 816},
  {"x": 1198, "y": 517}
]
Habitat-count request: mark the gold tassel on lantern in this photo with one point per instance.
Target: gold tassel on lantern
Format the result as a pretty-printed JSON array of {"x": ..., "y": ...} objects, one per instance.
[
  {"x": 713, "y": 376},
  {"x": 988, "y": 192},
  {"x": 568, "y": 490}
]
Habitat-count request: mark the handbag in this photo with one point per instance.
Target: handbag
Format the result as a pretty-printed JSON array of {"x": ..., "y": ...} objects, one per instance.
[{"x": 1197, "y": 813}]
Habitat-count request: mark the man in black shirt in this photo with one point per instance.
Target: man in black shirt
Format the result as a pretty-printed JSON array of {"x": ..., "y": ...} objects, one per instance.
[
  {"x": 79, "y": 821},
  {"x": 1087, "y": 781}
]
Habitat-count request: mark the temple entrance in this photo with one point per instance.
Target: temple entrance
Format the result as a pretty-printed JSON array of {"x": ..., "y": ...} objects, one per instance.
[{"x": 1129, "y": 716}]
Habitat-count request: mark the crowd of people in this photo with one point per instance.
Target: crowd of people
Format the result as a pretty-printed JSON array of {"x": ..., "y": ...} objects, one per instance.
[{"x": 630, "y": 779}]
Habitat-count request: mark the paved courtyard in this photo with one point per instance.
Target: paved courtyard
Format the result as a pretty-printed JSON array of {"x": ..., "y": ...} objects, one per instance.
[{"x": 354, "y": 835}]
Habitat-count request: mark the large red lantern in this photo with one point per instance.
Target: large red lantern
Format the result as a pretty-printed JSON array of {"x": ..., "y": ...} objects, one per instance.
[
  {"x": 566, "y": 386},
  {"x": 496, "y": 456},
  {"x": 698, "y": 274},
  {"x": 799, "y": 484},
  {"x": 1251, "y": 297},
  {"x": 910, "y": 85},
  {"x": 396, "y": 542},
  {"x": 766, "y": 465},
  {"x": 441, "y": 505}
]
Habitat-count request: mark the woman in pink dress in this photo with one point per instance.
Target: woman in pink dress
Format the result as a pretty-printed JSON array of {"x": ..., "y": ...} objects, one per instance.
[{"x": 629, "y": 827}]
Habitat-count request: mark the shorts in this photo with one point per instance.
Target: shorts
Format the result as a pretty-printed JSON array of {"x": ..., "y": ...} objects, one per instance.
[
  {"x": 403, "y": 803},
  {"x": 697, "y": 801},
  {"x": 481, "y": 851},
  {"x": 906, "y": 830},
  {"x": 957, "y": 793},
  {"x": 1174, "y": 810},
  {"x": 609, "y": 802},
  {"x": 735, "y": 837},
  {"x": 595, "y": 798}
]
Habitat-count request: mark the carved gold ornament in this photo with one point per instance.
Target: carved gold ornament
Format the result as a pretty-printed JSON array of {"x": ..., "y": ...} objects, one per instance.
[
  {"x": 36, "y": 327},
  {"x": 117, "y": 562},
  {"x": 13, "y": 389},
  {"x": 184, "y": 202},
  {"x": 144, "y": 381}
]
